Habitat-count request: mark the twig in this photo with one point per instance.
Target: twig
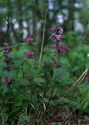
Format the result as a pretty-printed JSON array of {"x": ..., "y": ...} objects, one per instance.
[
  {"x": 79, "y": 80},
  {"x": 14, "y": 33},
  {"x": 76, "y": 108}
]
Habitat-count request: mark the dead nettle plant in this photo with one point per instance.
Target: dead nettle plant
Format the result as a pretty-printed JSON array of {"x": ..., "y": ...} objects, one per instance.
[
  {"x": 31, "y": 86},
  {"x": 27, "y": 80}
]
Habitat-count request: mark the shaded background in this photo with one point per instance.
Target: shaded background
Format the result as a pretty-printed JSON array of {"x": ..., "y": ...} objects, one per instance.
[{"x": 19, "y": 18}]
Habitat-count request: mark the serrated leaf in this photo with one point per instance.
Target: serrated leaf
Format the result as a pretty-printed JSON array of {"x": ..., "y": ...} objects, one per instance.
[
  {"x": 60, "y": 74},
  {"x": 39, "y": 80}
]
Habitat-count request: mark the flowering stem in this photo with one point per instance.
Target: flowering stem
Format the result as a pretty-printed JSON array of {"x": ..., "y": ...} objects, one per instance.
[{"x": 58, "y": 50}]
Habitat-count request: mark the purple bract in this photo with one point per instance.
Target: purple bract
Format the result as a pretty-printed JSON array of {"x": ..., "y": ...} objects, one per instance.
[
  {"x": 5, "y": 80},
  {"x": 29, "y": 54},
  {"x": 64, "y": 49},
  {"x": 29, "y": 40},
  {"x": 87, "y": 78}
]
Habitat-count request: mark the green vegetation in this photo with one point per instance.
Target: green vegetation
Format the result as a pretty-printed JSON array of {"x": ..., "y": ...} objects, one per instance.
[{"x": 44, "y": 71}]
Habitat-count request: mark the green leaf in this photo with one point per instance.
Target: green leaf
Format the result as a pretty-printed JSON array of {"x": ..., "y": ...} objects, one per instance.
[
  {"x": 39, "y": 80},
  {"x": 60, "y": 74}
]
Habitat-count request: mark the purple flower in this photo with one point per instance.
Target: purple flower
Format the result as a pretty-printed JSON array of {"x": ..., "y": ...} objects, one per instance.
[
  {"x": 53, "y": 29},
  {"x": 56, "y": 63},
  {"x": 57, "y": 37},
  {"x": 87, "y": 78},
  {"x": 30, "y": 40},
  {"x": 5, "y": 80},
  {"x": 57, "y": 33},
  {"x": 29, "y": 54},
  {"x": 54, "y": 47},
  {"x": 64, "y": 49}
]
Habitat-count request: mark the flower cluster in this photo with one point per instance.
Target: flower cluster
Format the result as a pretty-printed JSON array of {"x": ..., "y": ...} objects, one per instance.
[
  {"x": 29, "y": 40},
  {"x": 57, "y": 33},
  {"x": 7, "y": 60},
  {"x": 57, "y": 36},
  {"x": 54, "y": 47},
  {"x": 64, "y": 49},
  {"x": 29, "y": 53}
]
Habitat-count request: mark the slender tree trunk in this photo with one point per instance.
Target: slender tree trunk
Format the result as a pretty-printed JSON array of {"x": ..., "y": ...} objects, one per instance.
[
  {"x": 71, "y": 9},
  {"x": 46, "y": 15},
  {"x": 34, "y": 18},
  {"x": 9, "y": 15}
]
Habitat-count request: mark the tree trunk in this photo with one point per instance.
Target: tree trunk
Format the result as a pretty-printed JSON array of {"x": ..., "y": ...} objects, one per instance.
[
  {"x": 71, "y": 9},
  {"x": 20, "y": 16}
]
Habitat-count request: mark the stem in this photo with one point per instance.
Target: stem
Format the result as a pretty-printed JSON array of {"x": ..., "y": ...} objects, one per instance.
[
  {"x": 78, "y": 80},
  {"x": 76, "y": 108},
  {"x": 58, "y": 50},
  {"x": 48, "y": 104},
  {"x": 43, "y": 38}
]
